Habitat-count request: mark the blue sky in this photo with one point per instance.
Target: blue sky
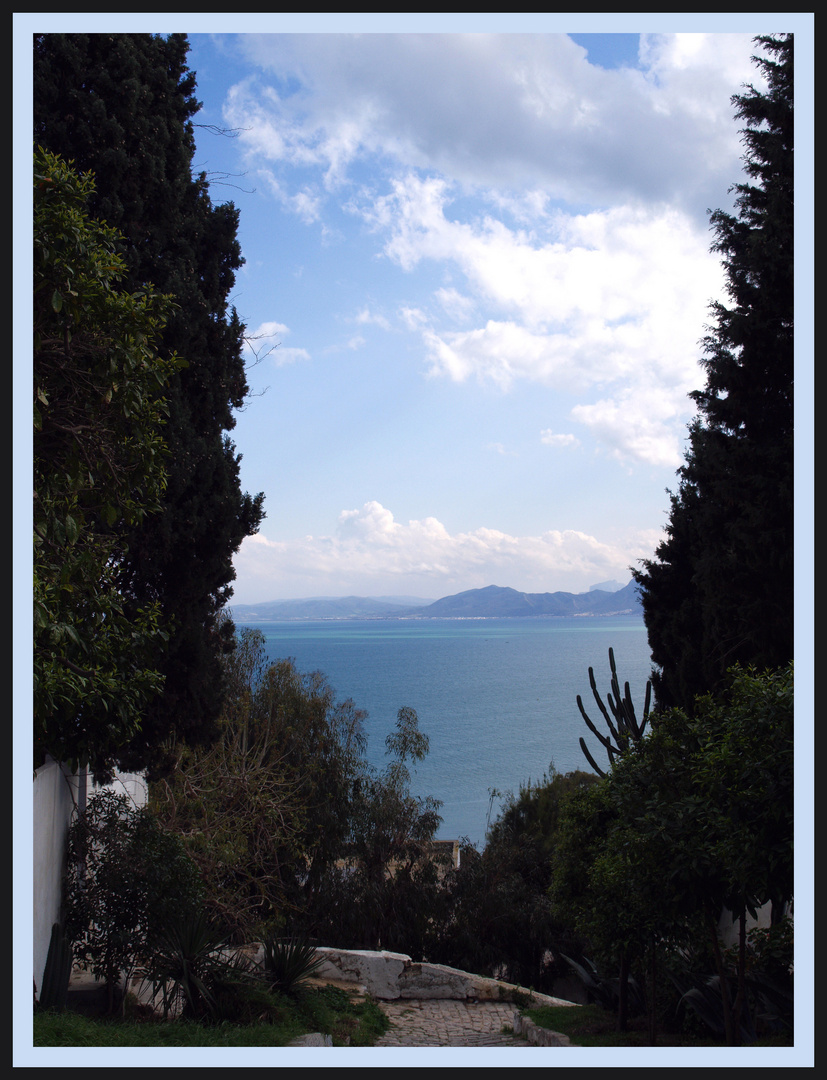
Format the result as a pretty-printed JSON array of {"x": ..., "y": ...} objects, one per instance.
[{"x": 477, "y": 275}]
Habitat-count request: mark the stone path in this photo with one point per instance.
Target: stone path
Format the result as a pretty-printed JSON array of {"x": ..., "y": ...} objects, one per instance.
[{"x": 443, "y": 1022}]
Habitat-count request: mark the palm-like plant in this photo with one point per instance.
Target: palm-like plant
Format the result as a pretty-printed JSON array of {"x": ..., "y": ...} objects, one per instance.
[
  {"x": 288, "y": 963},
  {"x": 188, "y": 965}
]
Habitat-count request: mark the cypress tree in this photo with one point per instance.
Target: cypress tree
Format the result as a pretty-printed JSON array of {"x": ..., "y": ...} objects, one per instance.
[
  {"x": 720, "y": 589},
  {"x": 121, "y": 106}
]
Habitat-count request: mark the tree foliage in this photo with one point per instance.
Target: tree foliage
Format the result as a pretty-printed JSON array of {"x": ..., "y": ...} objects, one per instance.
[
  {"x": 719, "y": 591},
  {"x": 387, "y": 884},
  {"x": 497, "y": 917},
  {"x": 695, "y": 818},
  {"x": 127, "y": 880},
  {"x": 99, "y": 472},
  {"x": 289, "y": 824},
  {"x": 121, "y": 105},
  {"x": 263, "y": 809}
]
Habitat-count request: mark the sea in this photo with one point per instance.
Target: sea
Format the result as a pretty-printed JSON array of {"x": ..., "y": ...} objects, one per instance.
[{"x": 497, "y": 697}]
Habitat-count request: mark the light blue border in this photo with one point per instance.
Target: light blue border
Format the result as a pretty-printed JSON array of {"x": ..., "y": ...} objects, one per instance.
[{"x": 802, "y": 24}]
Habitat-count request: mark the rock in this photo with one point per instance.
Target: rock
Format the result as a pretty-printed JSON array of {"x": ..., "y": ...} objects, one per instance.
[
  {"x": 537, "y": 1036},
  {"x": 389, "y": 976},
  {"x": 378, "y": 972},
  {"x": 314, "y": 1039}
]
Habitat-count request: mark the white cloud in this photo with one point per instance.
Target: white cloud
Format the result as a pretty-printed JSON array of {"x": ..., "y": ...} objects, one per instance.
[
  {"x": 638, "y": 424},
  {"x": 613, "y": 301},
  {"x": 305, "y": 203},
  {"x": 475, "y": 145},
  {"x": 549, "y": 438},
  {"x": 500, "y": 110},
  {"x": 370, "y": 550},
  {"x": 502, "y": 450},
  {"x": 284, "y": 356},
  {"x": 413, "y": 318},
  {"x": 366, "y": 316},
  {"x": 458, "y": 307}
]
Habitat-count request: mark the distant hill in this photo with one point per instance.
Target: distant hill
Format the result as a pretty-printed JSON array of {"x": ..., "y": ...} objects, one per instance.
[
  {"x": 329, "y": 607},
  {"x": 491, "y": 602},
  {"x": 499, "y": 602},
  {"x": 607, "y": 586}
]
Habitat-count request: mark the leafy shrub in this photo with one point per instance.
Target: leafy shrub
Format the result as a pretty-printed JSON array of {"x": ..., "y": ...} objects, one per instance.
[
  {"x": 127, "y": 878},
  {"x": 606, "y": 991}
]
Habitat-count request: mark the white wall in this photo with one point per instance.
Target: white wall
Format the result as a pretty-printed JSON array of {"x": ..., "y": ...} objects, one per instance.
[
  {"x": 729, "y": 931},
  {"x": 56, "y": 794},
  {"x": 55, "y": 797}
]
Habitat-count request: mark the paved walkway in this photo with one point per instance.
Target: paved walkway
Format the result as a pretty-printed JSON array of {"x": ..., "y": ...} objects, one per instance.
[{"x": 448, "y": 1023}]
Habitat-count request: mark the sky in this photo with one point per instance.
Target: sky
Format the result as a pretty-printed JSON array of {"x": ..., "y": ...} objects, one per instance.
[
  {"x": 477, "y": 277},
  {"x": 477, "y": 274}
]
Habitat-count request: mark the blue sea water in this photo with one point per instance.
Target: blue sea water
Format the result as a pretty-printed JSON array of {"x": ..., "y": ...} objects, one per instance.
[{"x": 496, "y": 697}]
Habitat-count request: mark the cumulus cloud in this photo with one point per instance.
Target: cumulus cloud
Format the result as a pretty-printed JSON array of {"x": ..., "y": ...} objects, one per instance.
[
  {"x": 500, "y": 110},
  {"x": 370, "y": 550},
  {"x": 562, "y": 205},
  {"x": 609, "y": 300},
  {"x": 639, "y": 423},
  {"x": 610, "y": 283}
]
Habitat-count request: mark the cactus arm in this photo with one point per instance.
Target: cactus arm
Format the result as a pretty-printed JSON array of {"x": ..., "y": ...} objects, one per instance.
[
  {"x": 606, "y": 742},
  {"x": 590, "y": 759},
  {"x": 622, "y": 724}
]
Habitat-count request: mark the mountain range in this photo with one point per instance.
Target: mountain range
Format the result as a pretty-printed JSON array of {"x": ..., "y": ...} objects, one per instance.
[{"x": 491, "y": 602}]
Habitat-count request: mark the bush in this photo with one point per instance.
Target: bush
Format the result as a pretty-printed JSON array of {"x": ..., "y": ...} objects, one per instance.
[
  {"x": 127, "y": 879},
  {"x": 287, "y": 964}
]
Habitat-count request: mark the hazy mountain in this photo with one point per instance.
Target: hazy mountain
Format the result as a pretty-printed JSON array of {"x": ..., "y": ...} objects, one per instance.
[
  {"x": 495, "y": 601},
  {"x": 607, "y": 586},
  {"x": 329, "y": 607},
  {"x": 490, "y": 602}
]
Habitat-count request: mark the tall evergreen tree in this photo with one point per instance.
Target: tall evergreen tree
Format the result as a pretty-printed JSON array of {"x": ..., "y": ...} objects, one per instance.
[
  {"x": 121, "y": 106},
  {"x": 98, "y": 469},
  {"x": 720, "y": 588}
]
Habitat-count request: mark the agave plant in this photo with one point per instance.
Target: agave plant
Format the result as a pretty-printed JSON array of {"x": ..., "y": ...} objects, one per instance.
[
  {"x": 289, "y": 962},
  {"x": 604, "y": 991},
  {"x": 188, "y": 964}
]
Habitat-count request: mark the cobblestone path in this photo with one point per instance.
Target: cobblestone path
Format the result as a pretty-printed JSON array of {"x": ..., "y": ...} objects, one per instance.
[{"x": 448, "y": 1023}]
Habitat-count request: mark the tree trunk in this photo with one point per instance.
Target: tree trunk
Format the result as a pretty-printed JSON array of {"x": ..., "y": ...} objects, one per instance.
[
  {"x": 653, "y": 1024},
  {"x": 722, "y": 977},
  {"x": 623, "y": 992},
  {"x": 742, "y": 963}
]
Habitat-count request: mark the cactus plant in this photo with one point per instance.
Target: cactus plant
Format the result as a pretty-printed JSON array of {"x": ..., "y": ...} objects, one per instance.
[{"x": 623, "y": 725}]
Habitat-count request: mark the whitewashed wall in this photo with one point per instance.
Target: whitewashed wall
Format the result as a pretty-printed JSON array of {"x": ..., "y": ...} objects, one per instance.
[
  {"x": 55, "y": 798},
  {"x": 57, "y": 792}
]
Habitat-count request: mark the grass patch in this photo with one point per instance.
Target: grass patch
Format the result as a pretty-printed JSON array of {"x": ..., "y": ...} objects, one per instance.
[
  {"x": 350, "y": 1020},
  {"x": 590, "y": 1025}
]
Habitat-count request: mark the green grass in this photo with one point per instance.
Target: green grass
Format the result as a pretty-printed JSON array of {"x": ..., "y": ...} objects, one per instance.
[
  {"x": 351, "y": 1021},
  {"x": 590, "y": 1025}
]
